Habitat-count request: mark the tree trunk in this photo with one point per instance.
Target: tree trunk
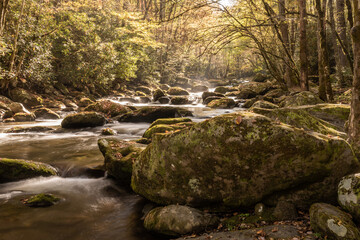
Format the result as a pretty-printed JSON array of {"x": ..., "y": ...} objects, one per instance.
[
  {"x": 350, "y": 15},
  {"x": 304, "y": 83},
  {"x": 3, "y": 10},
  {"x": 354, "y": 119}
]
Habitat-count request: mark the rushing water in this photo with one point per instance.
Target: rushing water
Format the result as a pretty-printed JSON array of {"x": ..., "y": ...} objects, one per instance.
[{"x": 91, "y": 208}]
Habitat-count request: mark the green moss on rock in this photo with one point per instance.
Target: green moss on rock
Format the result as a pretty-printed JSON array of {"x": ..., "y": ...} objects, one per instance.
[
  {"x": 223, "y": 103},
  {"x": 41, "y": 200},
  {"x": 108, "y": 108}
]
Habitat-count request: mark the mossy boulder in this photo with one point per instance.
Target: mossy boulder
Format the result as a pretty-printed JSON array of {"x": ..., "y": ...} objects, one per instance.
[
  {"x": 24, "y": 117},
  {"x": 223, "y": 103},
  {"x": 150, "y": 114},
  {"x": 169, "y": 121},
  {"x": 264, "y": 104},
  {"x": 177, "y": 91},
  {"x": 208, "y": 100},
  {"x": 119, "y": 157},
  {"x": 46, "y": 113},
  {"x": 25, "y": 97},
  {"x": 176, "y": 220},
  {"x": 236, "y": 160},
  {"x": 108, "y": 107},
  {"x": 348, "y": 195},
  {"x": 211, "y": 94},
  {"x": 300, "y": 99},
  {"x": 83, "y": 119},
  {"x": 246, "y": 93},
  {"x": 164, "y": 100},
  {"x": 164, "y": 128},
  {"x": 250, "y": 102},
  {"x": 273, "y": 94},
  {"x": 332, "y": 222},
  {"x": 179, "y": 100},
  {"x": 16, "y": 169},
  {"x": 144, "y": 89},
  {"x": 41, "y": 200},
  {"x": 300, "y": 118},
  {"x": 158, "y": 93},
  {"x": 257, "y": 88},
  {"x": 84, "y": 102},
  {"x": 224, "y": 90}
]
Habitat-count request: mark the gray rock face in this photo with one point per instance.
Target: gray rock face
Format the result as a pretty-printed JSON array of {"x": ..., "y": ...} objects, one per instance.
[
  {"x": 333, "y": 222},
  {"x": 83, "y": 119},
  {"x": 176, "y": 220},
  {"x": 348, "y": 194},
  {"x": 230, "y": 161}
]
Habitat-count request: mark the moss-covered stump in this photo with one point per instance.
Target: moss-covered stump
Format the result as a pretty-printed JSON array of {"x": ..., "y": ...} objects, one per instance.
[
  {"x": 177, "y": 91},
  {"x": 46, "y": 113},
  {"x": 150, "y": 114},
  {"x": 119, "y": 157},
  {"x": 83, "y": 119},
  {"x": 300, "y": 118},
  {"x": 108, "y": 107},
  {"x": 348, "y": 195},
  {"x": 158, "y": 93},
  {"x": 264, "y": 104},
  {"x": 333, "y": 222},
  {"x": 29, "y": 129},
  {"x": 223, "y": 103},
  {"x": 16, "y": 169},
  {"x": 25, "y": 97},
  {"x": 175, "y": 220},
  {"x": 84, "y": 102},
  {"x": 41, "y": 200},
  {"x": 24, "y": 117},
  {"x": 236, "y": 160},
  {"x": 300, "y": 99},
  {"x": 179, "y": 100}
]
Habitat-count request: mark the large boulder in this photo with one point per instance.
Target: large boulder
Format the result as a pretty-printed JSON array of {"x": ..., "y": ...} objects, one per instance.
[
  {"x": 25, "y": 97},
  {"x": 205, "y": 95},
  {"x": 177, "y": 91},
  {"x": 164, "y": 128},
  {"x": 16, "y": 107},
  {"x": 119, "y": 157},
  {"x": 332, "y": 222},
  {"x": 24, "y": 117},
  {"x": 264, "y": 104},
  {"x": 224, "y": 90},
  {"x": 83, "y": 119},
  {"x": 348, "y": 194},
  {"x": 150, "y": 114},
  {"x": 158, "y": 93},
  {"x": 46, "y": 113},
  {"x": 179, "y": 100},
  {"x": 300, "y": 99},
  {"x": 258, "y": 88},
  {"x": 237, "y": 160},
  {"x": 175, "y": 220},
  {"x": 144, "y": 89},
  {"x": 223, "y": 103},
  {"x": 108, "y": 107},
  {"x": 16, "y": 169}
]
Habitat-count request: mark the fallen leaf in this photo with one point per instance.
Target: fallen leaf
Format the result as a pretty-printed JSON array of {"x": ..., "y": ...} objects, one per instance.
[{"x": 238, "y": 120}]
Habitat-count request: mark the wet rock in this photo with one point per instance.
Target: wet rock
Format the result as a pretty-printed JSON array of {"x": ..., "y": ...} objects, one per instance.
[
  {"x": 84, "y": 102},
  {"x": 259, "y": 209},
  {"x": 164, "y": 87},
  {"x": 164, "y": 100},
  {"x": 160, "y": 128},
  {"x": 200, "y": 88},
  {"x": 16, "y": 107},
  {"x": 348, "y": 195},
  {"x": 8, "y": 120},
  {"x": 175, "y": 220},
  {"x": 108, "y": 107},
  {"x": 41, "y": 200},
  {"x": 29, "y": 129},
  {"x": 144, "y": 100},
  {"x": 83, "y": 119},
  {"x": 224, "y": 90},
  {"x": 300, "y": 99},
  {"x": 223, "y": 103},
  {"x": 249, "y": 102},
  {"x": 150, "y": 114},
  {"x": 333, "y": 222},
  {"x": 211, "y": 94},
  {"x": 177, "y": 91},
  {"x": 179, "y": 100},
  {"x": 300, "y": 118},
  {"x": 285, "y": 210},
  {"x": 276, "y": 232},
  {"x": 16, "y": 169},
  {"x": 158, "y": 93},
  {"x": 24, "y": 117},
  {"x": 3, "y": 106},
  {"x": 119, "y": 157},
  {"x": 208, "y": 100},
  {"x": 144, "y": 89},
  {"x": 25, "y": 97},
  {"x": 46, "y": 113},
  {"x": 246, "y": 93},
  {"x": 253, "y": 89},
  {"x": 167, "y": 125},
  {"x": 53, "y": 104},
  {"x": 140, "y": 94},
  {"x": 70, "y": 104},
  {"x": 108, "y": 132},
  {"x": 229, "y": 161},
  {"x": 265, "y": 104},
  {"x": 5, "y": 100}
]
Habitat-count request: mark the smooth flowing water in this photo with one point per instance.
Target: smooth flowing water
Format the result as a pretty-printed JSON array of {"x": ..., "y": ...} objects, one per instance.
[{"x": 91, "y": 208}]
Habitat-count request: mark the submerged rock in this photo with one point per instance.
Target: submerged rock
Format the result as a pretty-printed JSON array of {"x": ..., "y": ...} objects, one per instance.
[
  {"x": 230, "y": 161},
  {"x": 41, "y": 200},
  {"x": 16, "y": 169},
  {"x": 83, "y": 119},
  {"x": 150, "y": 114},
  {"x": 348, "y": 195},
  {"x": 46, "y": 113},
  {"x": 29, "y": 129},
  {"x": 175, "y": 220},
  {"x": 108, "y": 107},
  {"x": 333, "y": 222},
  {"x": 119, "y": 157}
]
